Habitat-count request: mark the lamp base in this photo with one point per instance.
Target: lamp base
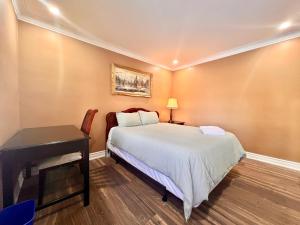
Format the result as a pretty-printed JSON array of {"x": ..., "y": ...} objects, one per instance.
[{"x": 171, "y": 116}]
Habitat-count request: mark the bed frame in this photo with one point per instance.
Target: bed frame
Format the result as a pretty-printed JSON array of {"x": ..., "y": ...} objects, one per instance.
[{"x": 111, "y": 121}]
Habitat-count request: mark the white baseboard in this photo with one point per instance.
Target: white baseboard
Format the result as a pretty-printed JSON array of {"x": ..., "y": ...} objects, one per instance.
[
  {"x": 97, "y": 155},
  {"x": 275, "y": 161}
]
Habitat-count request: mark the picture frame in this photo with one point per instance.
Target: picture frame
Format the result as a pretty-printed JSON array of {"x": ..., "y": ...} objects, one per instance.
[{"x": 130, "y": 82}]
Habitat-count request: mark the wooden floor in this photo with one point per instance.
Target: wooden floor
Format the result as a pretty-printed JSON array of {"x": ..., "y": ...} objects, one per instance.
[{"x": 252, "y": 193}]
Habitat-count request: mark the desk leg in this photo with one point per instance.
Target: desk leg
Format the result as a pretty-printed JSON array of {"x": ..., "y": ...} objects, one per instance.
[
  {"x": 7, "y": 182},
  {"x": 86, "y": 172},
  {"x": 28, "y": 170}
]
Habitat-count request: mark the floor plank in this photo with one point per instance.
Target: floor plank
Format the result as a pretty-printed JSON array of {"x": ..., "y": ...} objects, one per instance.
[{"x": 252, "y": 193}]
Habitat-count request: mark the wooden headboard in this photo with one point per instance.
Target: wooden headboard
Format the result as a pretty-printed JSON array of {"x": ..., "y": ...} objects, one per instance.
[{"x": 111, "y": 119}]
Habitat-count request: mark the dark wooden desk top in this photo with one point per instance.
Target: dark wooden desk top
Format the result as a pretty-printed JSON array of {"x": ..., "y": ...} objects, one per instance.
[{"x": 32, "y": 137}]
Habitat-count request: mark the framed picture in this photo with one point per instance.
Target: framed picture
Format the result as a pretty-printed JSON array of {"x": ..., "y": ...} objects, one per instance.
[{"x": 132, "y": 82}]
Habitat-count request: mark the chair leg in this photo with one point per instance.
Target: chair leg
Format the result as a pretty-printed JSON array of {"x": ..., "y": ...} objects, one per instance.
[
  {"x": 42, "y": 179},
  {"x": 28, "y": 170}
]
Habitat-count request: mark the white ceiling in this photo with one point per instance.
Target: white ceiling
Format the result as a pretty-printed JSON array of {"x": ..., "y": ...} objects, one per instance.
[{"x": 158, "y": 31}]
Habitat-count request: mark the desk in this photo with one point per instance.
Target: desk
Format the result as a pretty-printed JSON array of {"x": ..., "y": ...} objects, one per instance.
[{"x": 34, "y": 144}]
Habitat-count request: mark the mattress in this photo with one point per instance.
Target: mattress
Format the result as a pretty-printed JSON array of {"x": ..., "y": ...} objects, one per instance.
[
  {"x": 193, "y": 161},
  {"x": 154, "y": 174}
]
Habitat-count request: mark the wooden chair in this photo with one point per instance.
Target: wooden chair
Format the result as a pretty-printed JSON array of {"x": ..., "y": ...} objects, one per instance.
[{"x": 63, "y": 160}]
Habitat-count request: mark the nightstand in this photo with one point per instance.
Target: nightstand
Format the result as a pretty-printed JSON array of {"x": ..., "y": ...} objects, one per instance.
[{"x": 177, "y": 122}]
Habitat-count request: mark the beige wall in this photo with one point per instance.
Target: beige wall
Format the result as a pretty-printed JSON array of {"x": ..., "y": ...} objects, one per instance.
[
  {"x": 9, "y": 96},
  {"x": 9, "y": 93},
  {"x": 60, "y": 78},
  {"x": 256, "y": 95}
]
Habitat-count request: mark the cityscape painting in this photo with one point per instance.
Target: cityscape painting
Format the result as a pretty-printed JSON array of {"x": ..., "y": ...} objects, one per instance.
[{"x": 127, "y": 81}]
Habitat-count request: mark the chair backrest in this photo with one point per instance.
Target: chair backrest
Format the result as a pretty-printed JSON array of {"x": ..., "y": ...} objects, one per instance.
[{"x": 88, "y": 120}]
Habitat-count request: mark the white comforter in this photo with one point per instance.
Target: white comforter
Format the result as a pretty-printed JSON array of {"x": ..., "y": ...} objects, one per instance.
[{"x": 195, "y": 162}]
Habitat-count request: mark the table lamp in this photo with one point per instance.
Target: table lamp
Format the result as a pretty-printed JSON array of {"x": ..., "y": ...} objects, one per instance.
[{"x": 172, "y": 104}]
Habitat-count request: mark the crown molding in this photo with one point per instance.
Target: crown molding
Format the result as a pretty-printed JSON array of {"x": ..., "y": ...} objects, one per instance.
[
  {"x": 98, "y": 42},
  {"x": 16, "y": 8},
  {"x": 125, "y": 52},
  {"x": 241, "y": 49}
]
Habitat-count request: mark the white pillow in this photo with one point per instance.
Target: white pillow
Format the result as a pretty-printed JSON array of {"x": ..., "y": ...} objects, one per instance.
[
  {"x": 128, "y": 119},
  {"x": 148, "y": 117}
]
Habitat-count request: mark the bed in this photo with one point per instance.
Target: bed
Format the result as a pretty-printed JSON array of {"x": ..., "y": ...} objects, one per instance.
[{"x": 186, "y": 162}]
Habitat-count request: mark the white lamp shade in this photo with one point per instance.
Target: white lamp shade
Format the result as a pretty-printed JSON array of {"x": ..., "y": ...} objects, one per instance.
[{"x": 172, "y": 103}]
